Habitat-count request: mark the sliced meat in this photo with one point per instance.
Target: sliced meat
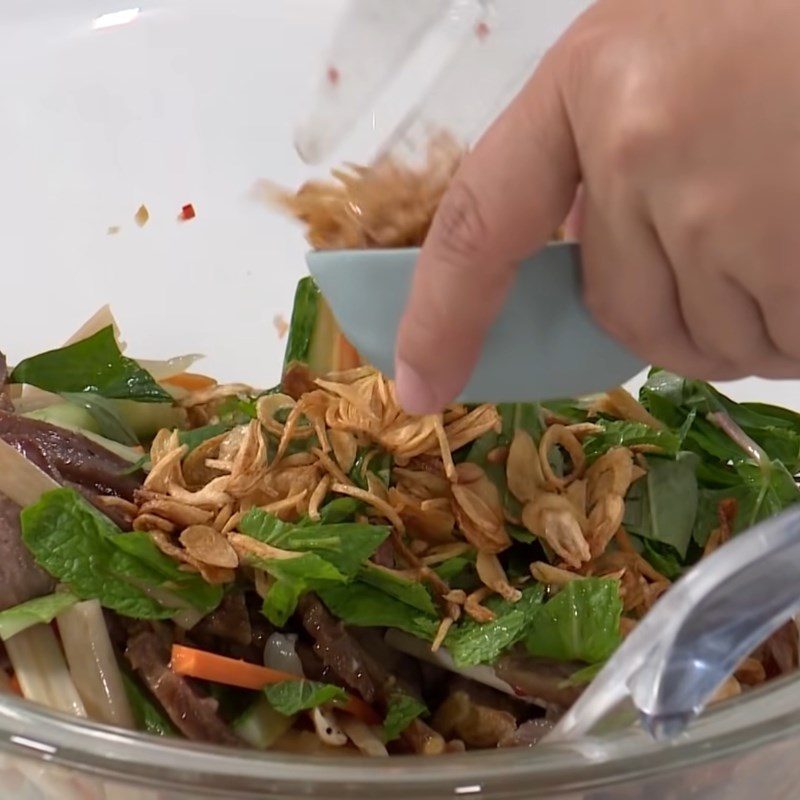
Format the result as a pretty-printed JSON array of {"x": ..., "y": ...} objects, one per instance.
[
  {"x": 540, "y": 680},
  {"x": 71, "y": 459},
  {"x": 5, "y": 400},
  {"x": 193, "y": 713},
  {"x": 337, "y": 649},
  {"x": 20, "y": 577},
  {"x": 230, "y": 621}
]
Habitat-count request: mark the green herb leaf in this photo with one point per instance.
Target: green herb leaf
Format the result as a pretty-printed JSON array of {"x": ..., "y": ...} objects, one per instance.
[
  {"x": 40, "y": 609},
  {"x": 409, "y": 591},
  {"x": 146, "y": 714},
  {"x": 93, "y": 365},
  {"x": 196, "y": 437},
  {"x": 583, "y": 676},
  {"x": 342, "y": 509},
  {"x": 365, "y": 606},
  {"x": 294, "y": 577},
  {"x": 663, "y": 558},
  {"x": 471, "y": 643},
  {"x": 281, "y": 601},
  {"x": 346, "y": 545},
  {"x": 663, "y": 505},
  {"x": 581, "y": 623},
  {"x": 125, "y": 571},
  {"x": 619, "y": 433},
  {"x": 291, "y": 697},
  {"x": 401, "y": 711}
]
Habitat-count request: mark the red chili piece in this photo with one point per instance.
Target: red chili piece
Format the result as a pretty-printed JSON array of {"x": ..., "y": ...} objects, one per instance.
[
  {"x": 188, "y": 212},
  {"x": 482, "y": 30},
  {"x": 333, "y": 76}
]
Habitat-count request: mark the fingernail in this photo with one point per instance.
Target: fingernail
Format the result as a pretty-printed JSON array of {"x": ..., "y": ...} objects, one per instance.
[{"x": 414, "y": 392}]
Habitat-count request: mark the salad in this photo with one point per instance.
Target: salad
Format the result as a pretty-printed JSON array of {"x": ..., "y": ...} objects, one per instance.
[{"x": 309, "y": 569}]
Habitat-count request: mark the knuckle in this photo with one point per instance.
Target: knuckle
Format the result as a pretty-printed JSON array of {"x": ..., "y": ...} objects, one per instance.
[
  {"x": 459, "y": 230},
  {"x": 697, "y": 213},
  {"x": 636, "y": 139}
]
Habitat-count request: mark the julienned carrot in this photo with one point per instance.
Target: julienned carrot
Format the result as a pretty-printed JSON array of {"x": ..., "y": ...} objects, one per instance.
[
  {"x": 201, "y": 664},
  {"x": 190, "y": 381}
]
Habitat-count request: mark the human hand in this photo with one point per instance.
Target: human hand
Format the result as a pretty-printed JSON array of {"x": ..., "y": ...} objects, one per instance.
[{"x": 677, "y": 119}]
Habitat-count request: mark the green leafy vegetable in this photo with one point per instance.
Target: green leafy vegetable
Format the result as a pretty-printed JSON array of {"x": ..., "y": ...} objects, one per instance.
[
  {"x": 409, "y": 591},
  {"x": 401, "y": 711},
  {"x": 40, "y": 609},
  {"x": 471, "y": 642},
  {"x": 196, "y": 437},
  {"x": 620, "y": 433},
  {"x": 663, "y": 505},
  {"x": 291, "y": 697},
  {"x": 146, "y": 714},
  {"x": 342, "y": 509},
  {"x": 346, "y": 545},
  {"x": 93, "y": 365},
  {"x": 379, "y": 464},
  {"x": 125, "y": 571},
  {"x": 581, "y": 623},
  {"x": 294, "y": 577},
  {"x": 584, "y": 676},
  {"x": 365, "y": 606},
  {"x": 663, "y": 558}
]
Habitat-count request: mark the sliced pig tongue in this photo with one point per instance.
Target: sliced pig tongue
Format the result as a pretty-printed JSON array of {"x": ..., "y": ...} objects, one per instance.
[
  {"x": 20, "y": 577},
  {"x": 68, "y": 457},
  {"x": 193, "y": 714}
]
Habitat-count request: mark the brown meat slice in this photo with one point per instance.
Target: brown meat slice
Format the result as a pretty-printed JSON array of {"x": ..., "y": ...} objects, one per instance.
[
  {"x": 338, "y": 650},
  {"x": 194, "y": 714},
  {"x": 69, "y": 457},
  {"x": 21, "y": 579}
]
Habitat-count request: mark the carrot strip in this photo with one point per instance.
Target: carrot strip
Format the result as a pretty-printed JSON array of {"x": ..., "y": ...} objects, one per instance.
[
  {"x": 190, "y": 381},
  {"x": 200, "y": 664}
]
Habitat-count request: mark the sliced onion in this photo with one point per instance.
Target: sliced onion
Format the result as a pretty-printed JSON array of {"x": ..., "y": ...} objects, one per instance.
[
  {"x": 21, "y": 480},
  {"x": 280, "y": 654},
  {"x": 101, "y": 319}
]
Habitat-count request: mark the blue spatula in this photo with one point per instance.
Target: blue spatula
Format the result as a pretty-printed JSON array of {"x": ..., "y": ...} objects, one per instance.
[{"x": 543, "y": 346}]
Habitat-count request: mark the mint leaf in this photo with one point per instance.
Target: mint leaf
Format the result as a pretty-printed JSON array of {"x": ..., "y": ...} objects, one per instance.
[
  {"x": 294, "y": 577},
  {"x": 365, "y": 606},
  {"x": 401, "y": 711},
  {"x": 40, "y": 609},
  {"x": 125, "y": 571},
  {"x": 93, "y": 365},
  {"x": 663, "y": 558},
  {"x": 471, "y": 643},
  {"x": 581, "y": 623},
  {"x": 408, "y": 591},
  {"x": 620, "y": 433},
  {"x": 346, "y": 545},
  {"x": 342, "y": 509},
  {"x": 663, "y": 505},
  {"x": 291, "y": 697},
  {"x": 197, "y": 436},
  {"x": 281, "y": 601}
]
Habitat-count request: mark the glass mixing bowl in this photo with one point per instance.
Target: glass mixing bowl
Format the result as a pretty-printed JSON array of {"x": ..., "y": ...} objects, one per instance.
[
  {"x": 743, "y": 750},
  {"x": 106, "y": 105}
]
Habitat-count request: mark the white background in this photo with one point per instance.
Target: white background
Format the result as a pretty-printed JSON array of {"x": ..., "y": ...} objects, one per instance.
[{"x": 192, "y": 102}]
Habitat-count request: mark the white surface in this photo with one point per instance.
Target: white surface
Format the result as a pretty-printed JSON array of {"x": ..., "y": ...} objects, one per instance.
[{"x": 192, "y": 101}]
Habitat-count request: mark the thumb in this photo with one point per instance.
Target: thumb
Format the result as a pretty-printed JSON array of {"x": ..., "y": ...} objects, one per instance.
[{"x": 505, "y": 202}]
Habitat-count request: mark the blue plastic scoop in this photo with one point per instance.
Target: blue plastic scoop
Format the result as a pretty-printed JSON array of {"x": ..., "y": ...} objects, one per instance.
[{"x": 543, "y": 346}]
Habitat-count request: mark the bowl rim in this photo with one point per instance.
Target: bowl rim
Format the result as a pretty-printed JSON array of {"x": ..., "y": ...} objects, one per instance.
[{"x": 755, "y": 720}]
